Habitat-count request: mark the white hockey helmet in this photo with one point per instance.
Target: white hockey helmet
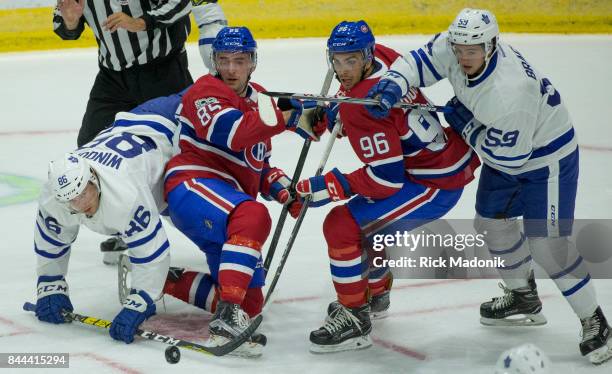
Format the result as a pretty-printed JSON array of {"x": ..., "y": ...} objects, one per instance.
[
  {"x": 524, "y": 359},
  {"x": 474, "y": 26},
  {"x": 69, "y": 176}
]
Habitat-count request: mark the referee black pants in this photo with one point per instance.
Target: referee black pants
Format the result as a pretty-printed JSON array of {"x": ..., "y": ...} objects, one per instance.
[{"x": 116, "y": 91}]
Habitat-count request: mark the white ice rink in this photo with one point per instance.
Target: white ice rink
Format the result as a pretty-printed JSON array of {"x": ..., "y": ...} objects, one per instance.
[{"x": 433, "y": 326}]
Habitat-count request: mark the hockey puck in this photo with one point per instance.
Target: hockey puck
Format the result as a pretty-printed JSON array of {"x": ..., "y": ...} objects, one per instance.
[{"x": 173, "y": 355}]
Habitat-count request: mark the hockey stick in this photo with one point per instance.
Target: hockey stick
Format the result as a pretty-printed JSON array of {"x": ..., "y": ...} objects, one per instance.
[
  {"x": 221, "y": 350},
  {"x": 359, "y": 101},
  {"x": 296, "y": 175},
  {"x": 298, "y": 222}
]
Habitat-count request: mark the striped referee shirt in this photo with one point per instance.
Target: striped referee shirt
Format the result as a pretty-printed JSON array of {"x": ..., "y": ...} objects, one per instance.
[{"x": 167, "y": 27}]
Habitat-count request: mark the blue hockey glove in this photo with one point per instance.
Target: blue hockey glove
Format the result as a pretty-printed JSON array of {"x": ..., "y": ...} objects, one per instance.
[
  {"x": 459, "y": 117},
  {"x": 304, "y": 118},
  {"x": 52, "y": 299},
  {"x": 332, "y": 186},
  {"x": 138, "y": 306},
  {"x": 388, "y": 92}
]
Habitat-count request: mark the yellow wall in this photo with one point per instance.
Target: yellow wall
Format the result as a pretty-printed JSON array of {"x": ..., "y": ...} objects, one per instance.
[{"x": 31, "y": 29}]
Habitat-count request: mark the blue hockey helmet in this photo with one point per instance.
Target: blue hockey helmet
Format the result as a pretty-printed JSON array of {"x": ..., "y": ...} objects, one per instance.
[
  {"x": 237, "y": 40},
  {"x": 351, "y": 37}
]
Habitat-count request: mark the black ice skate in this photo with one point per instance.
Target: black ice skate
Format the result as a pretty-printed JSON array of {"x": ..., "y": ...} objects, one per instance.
[
  {"x": 345, "y": 329},
  {"x": 112, "y": 248},
  {"x": 379, "y": 306},
  {"x": 228, "y": 322},
  {"x": 596, "y": 343},
  {"x": 518, "y": 307}
]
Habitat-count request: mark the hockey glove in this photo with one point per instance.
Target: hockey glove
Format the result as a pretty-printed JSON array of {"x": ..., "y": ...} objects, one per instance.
[
  {"x": 137, "y": 307},
  {"x": 332, "y": 186},
  {"x": 460, "y": 117},
  {"x": 306, "y": 119},
  {"x": 52, "y": 299},
  {"x": 388, "y": 92},
  {"x": 276, "y": 186}
]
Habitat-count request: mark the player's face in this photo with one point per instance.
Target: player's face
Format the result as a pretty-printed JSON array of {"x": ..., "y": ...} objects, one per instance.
[
  {"x": 349, "y": 67},
  {"x": 87, "y": 202},
  {"x": 235, "y": 69},
  {"x": 471, "y": 58}
]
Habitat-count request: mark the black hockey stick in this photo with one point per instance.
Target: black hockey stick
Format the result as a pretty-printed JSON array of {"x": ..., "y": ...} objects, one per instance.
[
  {"x": 358, "y": 101},
  {"x": 298, "y": 222},
  {"x": 296, "y": 175},
  {"x": 221, "y": 350}
]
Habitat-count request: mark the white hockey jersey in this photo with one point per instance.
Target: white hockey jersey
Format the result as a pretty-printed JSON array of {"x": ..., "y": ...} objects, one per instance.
[
  {"x": 521, "y": 122},
  {"x": 129, "y": 159}
]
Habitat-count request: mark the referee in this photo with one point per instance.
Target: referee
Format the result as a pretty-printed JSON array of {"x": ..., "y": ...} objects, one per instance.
[{"x": 141, "y": 53}]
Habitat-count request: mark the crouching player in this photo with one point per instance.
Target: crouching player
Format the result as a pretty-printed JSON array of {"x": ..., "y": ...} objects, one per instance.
[
  {"x": 414, "y": 170},
  {"x": 114, "y": 186}
]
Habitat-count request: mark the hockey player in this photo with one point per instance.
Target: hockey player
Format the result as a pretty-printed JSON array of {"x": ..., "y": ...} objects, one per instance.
[
  {"x": 414, "y": 170},
  {"x": 210, "y": 19},
  {"x": 212, "y": 184},
  {"x": 516, "y": 120},
  {"x": 114, "y": 186}
]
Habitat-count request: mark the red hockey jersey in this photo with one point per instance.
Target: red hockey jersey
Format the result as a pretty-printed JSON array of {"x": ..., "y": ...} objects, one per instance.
[
  {"x": 407, "y": 142},
  {"x": 223, "y": 137}
]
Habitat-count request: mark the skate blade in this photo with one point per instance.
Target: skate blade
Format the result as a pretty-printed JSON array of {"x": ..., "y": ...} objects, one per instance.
[
  {"x": 246, "y": 350},
  {"x": 361, "y": 342},
  {"x": 526, "y": 320},
  {"x": 601, "y": 355}
]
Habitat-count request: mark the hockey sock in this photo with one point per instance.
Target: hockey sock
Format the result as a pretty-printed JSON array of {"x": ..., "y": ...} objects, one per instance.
[
  {"x": 253, "y": 302},
  {"x": 506, "y": 241},
  {"x": 194, "y": 288},
  {"x": 348, "y": 263},
  {"x": 561, "y": 260},
  {"x": 379, "y": 277},
  {"x": 379, "y": 281},
  {"x": 248, "y": 227}
]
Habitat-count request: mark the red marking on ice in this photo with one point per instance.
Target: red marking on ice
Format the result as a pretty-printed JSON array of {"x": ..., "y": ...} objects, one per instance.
[
  {"x": 186, "y": 326},
  {"x": 398, "y": 287},
  {"x": 429, "y": 284},
  {"x": 296, "y": 299},
  {"x": 399, "y": 349},
  {"x": 107, "y": 361},
  {"x": 19, "y": 329},
  {"x": 596, "y": 148},
  {"x": 446, "y": 308}
]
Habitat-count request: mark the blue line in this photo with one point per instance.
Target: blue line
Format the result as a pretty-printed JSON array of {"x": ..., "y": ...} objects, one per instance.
[
  {"x": 419, "y": 66},
  {"x": 511, "y": 249},
  {"x": 152, "y": 257},
  {"x": 568, "y": 270},
  {"x": 154, "y": 125},
  {"x": 48, "y": 238},
  {"x": 554, "y": 145},
  {"x": 577, "y": 287},
  {"x": 50, "y": 255},
  {"x": 504, "y": 158},
  {"x": 429, "y": 64},
  {"x": 518, "y": 264}
]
